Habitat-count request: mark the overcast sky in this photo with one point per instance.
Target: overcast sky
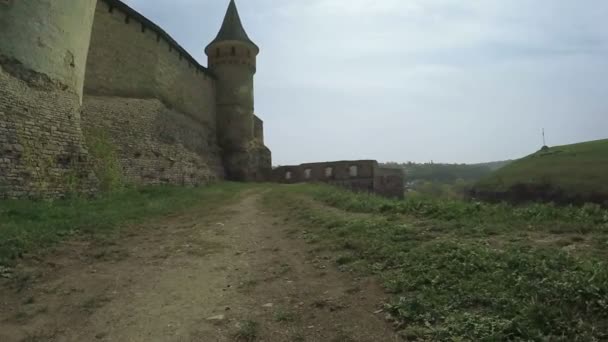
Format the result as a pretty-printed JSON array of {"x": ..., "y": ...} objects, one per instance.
[{"x": 414, "y": 80}]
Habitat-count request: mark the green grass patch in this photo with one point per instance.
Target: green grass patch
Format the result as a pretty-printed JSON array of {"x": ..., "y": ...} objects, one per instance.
[
  {"x": 247, "y": 331},
  {"x": 31, "y": 225},
  {"x": 469, "y": 271}
]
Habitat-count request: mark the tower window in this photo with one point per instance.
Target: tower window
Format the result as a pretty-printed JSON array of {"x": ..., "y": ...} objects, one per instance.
[
  {"x": 127, "y": 19},
  {"x": 233, "y": 51},
  {"x": 288, "y": 175},
  {"x": 248, "y": 53},
  {"x": 217, "y": 52},
  {"x": 329, "y": 171}
]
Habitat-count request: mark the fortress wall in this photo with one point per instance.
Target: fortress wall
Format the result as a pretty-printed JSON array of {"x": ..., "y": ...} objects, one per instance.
[
  {"x": 154, "y": 102},
  {"x": 154, "y": 144},
  {"x": 43, "y": 50},
  {"x": 48, "y": 36},
  {"x": 258, "y": 129},
  {"x": 182, "y": 85},
  {"x": 122, "y": 59},
  {"x": 340, "y": 172},
  {"x": 132, "y": 57},
  {"x": 369, "y": 176},
  {"x": 389, "y": 182},
  {"x": 42, "y": 151}
]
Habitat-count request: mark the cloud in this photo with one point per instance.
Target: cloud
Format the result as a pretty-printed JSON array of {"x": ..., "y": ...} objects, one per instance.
[{"x": 447, "y": 80}]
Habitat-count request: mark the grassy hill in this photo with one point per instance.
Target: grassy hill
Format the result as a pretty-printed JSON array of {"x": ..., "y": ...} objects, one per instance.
[{"x": 568, "y": 174}]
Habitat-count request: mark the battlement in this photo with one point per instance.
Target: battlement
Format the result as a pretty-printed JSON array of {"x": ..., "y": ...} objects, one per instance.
[
  {"x": 76, "y": 74},
  {"x": 147, "y": 24},
  {"x": 232, "y": 52},
  {"x": 131, "y": 57}
]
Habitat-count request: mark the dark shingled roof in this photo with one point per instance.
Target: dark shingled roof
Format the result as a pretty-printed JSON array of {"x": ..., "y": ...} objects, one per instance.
[{"x": 232, "y": 28}]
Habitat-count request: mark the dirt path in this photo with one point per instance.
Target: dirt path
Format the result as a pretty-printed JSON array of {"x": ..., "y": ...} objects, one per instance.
[{"x": 231, "y": 275}]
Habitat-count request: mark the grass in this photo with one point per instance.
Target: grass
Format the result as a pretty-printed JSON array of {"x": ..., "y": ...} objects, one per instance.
[
  {"x": 577, "y": 169},
  {"x": 283, "y": 315},
  {"x": 247, "y": 331},
  {"x": 27, "y": 226},
  {"x": 468, "y": 271}
]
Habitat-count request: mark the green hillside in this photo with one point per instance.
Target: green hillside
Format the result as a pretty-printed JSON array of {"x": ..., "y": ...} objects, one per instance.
[{"x": 569, "y": 173}]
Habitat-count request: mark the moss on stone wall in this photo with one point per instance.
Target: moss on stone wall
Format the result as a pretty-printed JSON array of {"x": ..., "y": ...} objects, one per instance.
[{"x": 104, "y": 160}]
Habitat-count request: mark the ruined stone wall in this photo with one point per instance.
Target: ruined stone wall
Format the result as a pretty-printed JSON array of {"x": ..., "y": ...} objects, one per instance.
[
  {"x": 43, "y": 49},
  {"x": 335, "y": 173},
  {"x": 389, "y": 182},
  {"x": 156, "y": 103},
  {"x": 358, "y": 175}
]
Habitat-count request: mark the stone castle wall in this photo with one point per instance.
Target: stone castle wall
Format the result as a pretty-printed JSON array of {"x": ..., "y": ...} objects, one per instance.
[
  {"x": 156, "y": 103},
  {"x": 49, "y": 37},
  {"x": 357, "y": 175},
  {"x": 131, "y": 57},
  {"x": 71, "y": 71},
  {"x": 42, "y": 151},
  {"x": 154, "y": 144},
  {"x": 43, "y": 50}
]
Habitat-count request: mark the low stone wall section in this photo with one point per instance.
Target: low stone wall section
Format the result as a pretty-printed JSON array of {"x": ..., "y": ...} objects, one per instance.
[{"x": 357, "y": 175}]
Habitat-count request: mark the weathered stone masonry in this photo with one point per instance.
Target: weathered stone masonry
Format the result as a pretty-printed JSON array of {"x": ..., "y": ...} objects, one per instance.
[
  {"x": 170, "y": 119},
  {"x": 42, "y": 149},
  {"x": 357, "y": 175},
  {"x": 155, "y": 103}
]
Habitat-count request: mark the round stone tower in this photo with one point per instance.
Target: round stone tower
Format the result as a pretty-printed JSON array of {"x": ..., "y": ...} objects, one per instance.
[
  {"x": 232, "y": 58},
  {"x": 50, "y": 37},
  {"x": 43, "y": 51}
]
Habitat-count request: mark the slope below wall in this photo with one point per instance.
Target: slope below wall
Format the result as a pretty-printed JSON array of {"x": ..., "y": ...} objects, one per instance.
[{"x": 154, "y": 144}]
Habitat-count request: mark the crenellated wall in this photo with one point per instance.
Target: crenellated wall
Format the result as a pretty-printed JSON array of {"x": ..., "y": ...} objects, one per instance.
[
  {"x": 131, "y": 57},
  {"x": 156, "y": 103},
  {"x": 75, "y": 72}
]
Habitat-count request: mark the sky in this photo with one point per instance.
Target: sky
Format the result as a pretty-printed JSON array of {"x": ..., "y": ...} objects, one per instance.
[{"x": 458, "y": 81}]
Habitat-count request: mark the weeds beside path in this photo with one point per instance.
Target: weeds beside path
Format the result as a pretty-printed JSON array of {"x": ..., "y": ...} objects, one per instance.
[
  {"x": 301, "y": 263},
  {"x": 468, "y": 271},
  {"x": 226, "y": 269},
  {"x": 31, "y": 226}
]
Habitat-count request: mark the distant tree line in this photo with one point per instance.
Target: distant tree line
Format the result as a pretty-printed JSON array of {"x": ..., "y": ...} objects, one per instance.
[
  {"x": 446, "y": 173},
  {"x": 443, "y": 180}
]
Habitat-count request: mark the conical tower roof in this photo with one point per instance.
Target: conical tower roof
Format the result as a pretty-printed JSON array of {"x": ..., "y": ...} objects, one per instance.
[{"x": 232, "y": 28}]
